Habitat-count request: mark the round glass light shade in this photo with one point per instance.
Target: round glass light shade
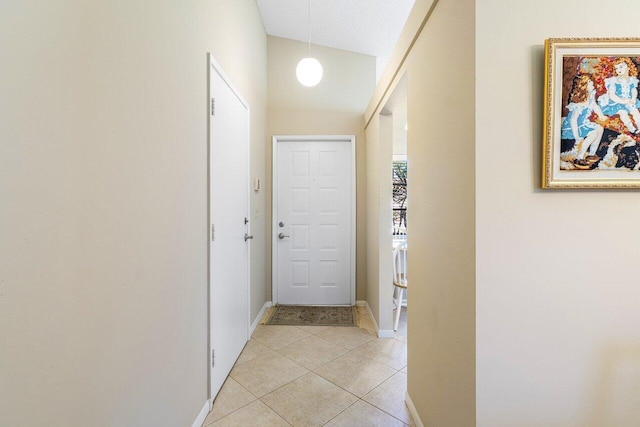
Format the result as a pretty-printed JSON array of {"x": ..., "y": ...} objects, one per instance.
[{"x": 309, "y": 72}]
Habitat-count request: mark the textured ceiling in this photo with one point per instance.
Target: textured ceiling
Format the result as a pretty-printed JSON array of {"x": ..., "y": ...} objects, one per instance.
[{"x": 371, "y": 27}]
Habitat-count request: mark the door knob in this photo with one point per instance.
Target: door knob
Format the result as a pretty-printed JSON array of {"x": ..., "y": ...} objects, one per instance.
[
  {"x": 282, "y": 236},
  {"x": 247, "y": 237}
]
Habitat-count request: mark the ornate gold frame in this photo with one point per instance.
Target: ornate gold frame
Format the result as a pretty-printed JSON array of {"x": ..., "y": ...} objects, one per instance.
[{"x": 599, "y": 49}]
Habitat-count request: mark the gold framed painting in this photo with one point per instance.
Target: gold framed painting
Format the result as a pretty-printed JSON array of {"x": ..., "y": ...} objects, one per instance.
[{"x": 591, "y": 113}]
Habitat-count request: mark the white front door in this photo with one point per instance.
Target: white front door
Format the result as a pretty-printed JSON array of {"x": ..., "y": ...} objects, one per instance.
[
  {"x": 314, "y": 211},
  {"x": 228, "y": 210}
]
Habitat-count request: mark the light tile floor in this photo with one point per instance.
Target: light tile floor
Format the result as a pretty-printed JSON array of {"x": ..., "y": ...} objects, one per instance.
[{"x": 317, "y": 376}]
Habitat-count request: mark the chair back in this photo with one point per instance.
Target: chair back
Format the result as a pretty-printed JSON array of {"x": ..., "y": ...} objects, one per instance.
[{"x": 400, "y": 265}]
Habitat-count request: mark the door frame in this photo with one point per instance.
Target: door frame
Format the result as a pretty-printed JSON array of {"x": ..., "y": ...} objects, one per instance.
[
  {"x": 351, "y": 139},
  {"x": 214, "y": 67}
]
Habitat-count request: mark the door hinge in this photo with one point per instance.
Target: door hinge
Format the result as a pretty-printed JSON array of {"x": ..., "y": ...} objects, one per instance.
[
  {"x": 213, "y": 232},
  {"x": 213, "y": 106},
  {"x": 213, "y": 358}
]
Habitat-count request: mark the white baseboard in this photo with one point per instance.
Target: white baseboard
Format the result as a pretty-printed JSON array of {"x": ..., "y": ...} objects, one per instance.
[
  {"x": 365, "y": 304},
  {"x": 202, "y": 415},
  {"x": 381, "y": 333},
  {"x": 386, "y": 333},
  {"x": 412, "y": 410},
  {"x": 255, "y": 323}
]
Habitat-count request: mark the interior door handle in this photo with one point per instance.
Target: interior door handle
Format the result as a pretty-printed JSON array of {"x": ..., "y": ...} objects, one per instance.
[
  {"x": 282, "y": 236},
  {"x": 247, "y": 237}
]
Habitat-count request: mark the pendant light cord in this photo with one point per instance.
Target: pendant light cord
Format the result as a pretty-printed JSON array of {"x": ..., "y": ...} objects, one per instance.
[{"x": 309, "y": 29}]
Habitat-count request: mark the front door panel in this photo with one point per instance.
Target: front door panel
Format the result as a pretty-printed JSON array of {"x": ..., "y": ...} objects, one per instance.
[{"x": 314, "y": 205}]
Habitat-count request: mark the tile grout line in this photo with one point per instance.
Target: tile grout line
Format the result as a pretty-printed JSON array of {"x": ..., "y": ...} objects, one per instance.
[
  {"x": 386, "y": 412},
  {"x": 383, "y": 410},
  {"x": 274, "y": 409},
  {"x": 282, "y": 355},
  {"x": 311, "y": 370},
  {"x": 382, "y": 363},
  {"x": 338, "y": 385},
  {"x": 226, "y": 415},
  {"x": 338, "y": 414},
  {"x": 327, "y": 379},
  {"x": 279, "y": 387},
  {"x": 346, "y": 351},
  {"x": 257, "y": 400},
  {"x": 368, "y": 403},
  {"x": 344, "y": 354}
]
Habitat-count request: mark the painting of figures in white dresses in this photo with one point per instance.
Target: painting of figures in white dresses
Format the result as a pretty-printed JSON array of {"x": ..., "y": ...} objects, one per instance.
[{"x": 592, "y": 116}]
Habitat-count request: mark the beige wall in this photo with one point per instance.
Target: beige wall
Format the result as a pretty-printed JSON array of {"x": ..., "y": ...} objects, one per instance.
[
  {"x": 440, "y": 70},
  {"x": 558, "y": 324},
  {"x": 379, "y": 220},
  {"x": 333, "y": 107},
  {"x": 240, "y": 47},
  {"x": 383, "y": 137},
  {"x": 373, "y": 218},
  {"x": 441, "y": 229},
  {"x": 400, "y": 129},
  {"x": 103, "y": 188},
  {"x": 347, "y": 82}
]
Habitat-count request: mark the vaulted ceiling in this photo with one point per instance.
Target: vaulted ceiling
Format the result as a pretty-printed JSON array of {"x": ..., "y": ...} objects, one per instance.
[{"x": 370, "y": 27}]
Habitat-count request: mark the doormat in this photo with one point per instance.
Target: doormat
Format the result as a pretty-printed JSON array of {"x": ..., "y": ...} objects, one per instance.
[{"x": 300, "y": 315}]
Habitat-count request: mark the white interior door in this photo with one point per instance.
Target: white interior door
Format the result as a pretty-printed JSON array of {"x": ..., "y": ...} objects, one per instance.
[
  {"x": 228, "y": 211},
  {"x": 314, "y": 211}
]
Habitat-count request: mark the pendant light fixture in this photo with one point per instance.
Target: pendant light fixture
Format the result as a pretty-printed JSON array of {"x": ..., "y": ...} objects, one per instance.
[{"x": 309, "y": 70}]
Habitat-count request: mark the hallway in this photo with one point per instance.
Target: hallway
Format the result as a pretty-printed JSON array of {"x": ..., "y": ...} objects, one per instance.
[{"x": 317, "y": 376}]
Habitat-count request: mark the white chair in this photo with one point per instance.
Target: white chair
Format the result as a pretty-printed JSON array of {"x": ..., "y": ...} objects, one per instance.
[{"x": 400, "y": 281}]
